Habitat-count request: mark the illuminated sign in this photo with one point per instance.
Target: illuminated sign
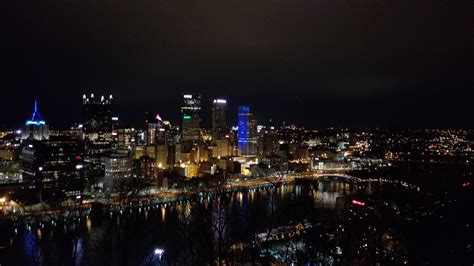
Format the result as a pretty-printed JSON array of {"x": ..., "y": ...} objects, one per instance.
[
  {"x": 186, "y": 117},
  {"x": 114, "y": 118},
  {"x": 220, "y": 101},
  {"x": 187, "y": 96}
]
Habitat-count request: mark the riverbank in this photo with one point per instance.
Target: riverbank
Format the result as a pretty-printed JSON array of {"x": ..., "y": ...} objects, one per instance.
[{"x": 80, "y": 207}]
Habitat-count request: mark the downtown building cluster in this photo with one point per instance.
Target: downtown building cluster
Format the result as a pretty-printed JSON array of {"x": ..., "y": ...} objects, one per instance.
[{"x": 101, "y": 155}]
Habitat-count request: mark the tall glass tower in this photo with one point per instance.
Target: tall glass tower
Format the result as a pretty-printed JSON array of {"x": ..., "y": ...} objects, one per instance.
[
  {"x": 36, "y": 128},
  {"x": 219, "y": 122},
  {"x": 191, "y": 118},
  {"x": 247, "y": 132}
]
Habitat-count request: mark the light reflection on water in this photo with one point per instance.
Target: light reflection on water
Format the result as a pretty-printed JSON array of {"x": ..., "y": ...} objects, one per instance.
[{"x": 161, "y": 221}]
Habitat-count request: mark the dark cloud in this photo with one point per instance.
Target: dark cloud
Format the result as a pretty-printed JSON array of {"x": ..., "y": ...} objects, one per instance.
[{"x": 316, "y": 62}]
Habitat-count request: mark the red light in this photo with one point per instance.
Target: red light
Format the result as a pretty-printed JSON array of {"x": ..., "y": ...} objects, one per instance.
[
  {"x": 466, "y": 184},
  {"x": 356, "y": 202}
]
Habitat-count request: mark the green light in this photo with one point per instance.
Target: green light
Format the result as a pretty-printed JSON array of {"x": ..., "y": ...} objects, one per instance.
[{"x": 186, "y": 117}]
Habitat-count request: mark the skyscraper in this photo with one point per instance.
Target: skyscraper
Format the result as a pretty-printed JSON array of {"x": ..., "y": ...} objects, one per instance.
[
  {"x": 54, "y": 163},
  {"x": 219, "y": 122},
  {"x": 36, "y": 128},
  {"x": 247, "y": 132},
  {"x": 191, "y": 119},
  {"x": 97, "y": 114},
  {"x": 97, "y": 129}
]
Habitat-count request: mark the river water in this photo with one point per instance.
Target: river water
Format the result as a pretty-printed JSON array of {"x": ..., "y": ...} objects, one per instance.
[{"x": 201, "y": 230}]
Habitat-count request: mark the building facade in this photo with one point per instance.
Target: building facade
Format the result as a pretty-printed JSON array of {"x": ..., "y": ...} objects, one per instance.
[
  {"x": 247, "y": 132},
  {"x": 97, "y": 114},
  {"x": 219, "y": 119},
  {"x": 191, "y": 117}
]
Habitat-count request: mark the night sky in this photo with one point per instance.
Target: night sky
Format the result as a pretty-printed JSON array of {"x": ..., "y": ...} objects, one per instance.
[{"x": 317, "y": 63}]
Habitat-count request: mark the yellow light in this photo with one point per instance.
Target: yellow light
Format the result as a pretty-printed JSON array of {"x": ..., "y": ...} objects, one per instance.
[{"x": 3, "y": 200}]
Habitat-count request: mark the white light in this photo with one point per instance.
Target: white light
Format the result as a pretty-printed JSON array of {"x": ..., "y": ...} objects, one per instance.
[
  {"x": 114, "y": 118},
  {"x": 30, "y": 146},
  {"x": 40, "y": 168},
  {"x": 159, "y": 252},
  {"x": 220, "y": 101},
  {"x": 79, "y": 166},
  {"x": 80, "y": 126},
  {"x": 187, "y": 96},
  {"x": 18, "y": 132}
]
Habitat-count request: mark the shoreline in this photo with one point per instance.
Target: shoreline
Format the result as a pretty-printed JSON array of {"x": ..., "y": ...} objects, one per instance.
[{"x": 163, "y": 197}]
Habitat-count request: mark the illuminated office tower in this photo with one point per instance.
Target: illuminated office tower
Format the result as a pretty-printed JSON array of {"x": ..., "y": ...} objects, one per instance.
[
  {"x": 219, "y": 122},
  {"x": 268, "y": 142},
  {"x": 191, "y": 119},
  {"x": 118, "y": 167},
  {"x": 56, "y": 163},
  {"x": 36, "y": 128},
  {"x": 97, "y": 129},
  {"x": 156, "y": 130},
  {"x": 97, "y": 114},
  {"x": 247, "y": 132},
  {"x": 152, "y": 128}
]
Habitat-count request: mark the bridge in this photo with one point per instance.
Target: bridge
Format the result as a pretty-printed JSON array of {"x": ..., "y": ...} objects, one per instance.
[
  {"x": 338, "y": 177},
  {"x": 345, "y": 177}
]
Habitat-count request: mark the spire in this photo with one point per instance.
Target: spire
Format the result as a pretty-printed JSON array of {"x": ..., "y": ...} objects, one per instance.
[{"x": 36, "y": 118}]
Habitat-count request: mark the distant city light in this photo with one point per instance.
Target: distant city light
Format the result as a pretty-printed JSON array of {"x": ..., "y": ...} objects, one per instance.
[
  {"x": 187, "y": 96},
  {"x": 186, "y": 117},
  {"x": 115, "y": 118},
  {"x": 359, "y": 203},
  {"x": 79, "y": 166},
  {"x": 466, "y": 184}
]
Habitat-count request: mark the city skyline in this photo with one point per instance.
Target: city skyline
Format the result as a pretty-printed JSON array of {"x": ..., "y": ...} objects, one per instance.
[
  {"x": 236, "y": 132},
  {"x": 348, "y": 64},
  {"x": 134, "y": 116}
]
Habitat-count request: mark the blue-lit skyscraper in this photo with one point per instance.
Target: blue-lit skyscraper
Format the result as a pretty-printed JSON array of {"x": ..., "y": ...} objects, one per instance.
[
  {"x": 36, "y": 128},
  {"x": 247, "y": 132}
]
